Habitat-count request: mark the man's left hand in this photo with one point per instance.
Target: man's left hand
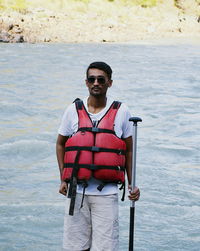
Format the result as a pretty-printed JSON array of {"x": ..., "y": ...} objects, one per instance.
[{"x": 135, "y": 194}]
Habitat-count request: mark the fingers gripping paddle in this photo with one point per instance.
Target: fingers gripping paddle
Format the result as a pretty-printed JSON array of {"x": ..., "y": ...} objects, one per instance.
[{"x": 135, "y": 120}]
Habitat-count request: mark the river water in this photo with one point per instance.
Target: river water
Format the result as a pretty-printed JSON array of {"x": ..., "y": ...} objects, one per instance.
[{"x": 160, "y": 83}]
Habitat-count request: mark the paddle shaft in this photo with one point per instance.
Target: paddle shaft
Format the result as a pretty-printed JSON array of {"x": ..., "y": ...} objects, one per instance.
[{"x": 135, "y": 120}]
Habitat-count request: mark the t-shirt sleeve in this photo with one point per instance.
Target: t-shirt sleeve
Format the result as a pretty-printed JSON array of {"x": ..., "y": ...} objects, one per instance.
[
  {"x": 126, "y": 124},
  {"x": 66, "y": 126}
]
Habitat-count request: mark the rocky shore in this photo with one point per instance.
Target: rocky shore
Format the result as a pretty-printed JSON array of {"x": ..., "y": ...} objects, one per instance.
[{"x": 106, "y": 23}]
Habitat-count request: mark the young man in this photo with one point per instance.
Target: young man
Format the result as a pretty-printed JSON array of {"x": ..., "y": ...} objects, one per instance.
[{"x": 96, "y": 119}]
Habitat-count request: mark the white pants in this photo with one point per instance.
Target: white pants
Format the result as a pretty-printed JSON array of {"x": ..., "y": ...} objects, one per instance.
[{"x": 94, "y": 226}]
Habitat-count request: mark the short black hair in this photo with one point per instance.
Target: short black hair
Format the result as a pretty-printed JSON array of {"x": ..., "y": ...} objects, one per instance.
[{"x": 101, "y": 66}]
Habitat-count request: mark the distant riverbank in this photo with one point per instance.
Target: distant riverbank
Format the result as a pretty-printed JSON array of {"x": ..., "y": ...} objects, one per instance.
[{"x": 102, "y": 22}]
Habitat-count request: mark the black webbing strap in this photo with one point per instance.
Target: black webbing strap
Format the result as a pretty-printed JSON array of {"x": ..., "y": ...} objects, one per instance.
[
  {"x": 76, "y": 100},
  {"x": 94, "y": 167},
  {"x": 116, "y": 104},
  {"x": 84, "y": 187},
  {"x": 94, "y": 149},
  {"x": 79, "y": 104},
  {"x": 73, "y": 184},
  {"x": 95, "y": 130},
  {"x": 123, "y": 186}
]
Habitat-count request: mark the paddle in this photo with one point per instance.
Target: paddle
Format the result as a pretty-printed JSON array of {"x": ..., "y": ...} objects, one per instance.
[{"x": 135, "y": 120}]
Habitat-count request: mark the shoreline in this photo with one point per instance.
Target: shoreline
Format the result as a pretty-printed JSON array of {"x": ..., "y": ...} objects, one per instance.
[
  {"x": 161, "y": 24},
  {"x": 168, "y": 41}
]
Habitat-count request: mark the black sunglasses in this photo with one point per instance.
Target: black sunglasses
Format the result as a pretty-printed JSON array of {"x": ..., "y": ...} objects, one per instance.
[{"x": 100, "y": 79}]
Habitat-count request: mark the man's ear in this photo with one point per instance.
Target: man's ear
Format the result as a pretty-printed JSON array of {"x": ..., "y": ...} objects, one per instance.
[
  {"x": 110, "y": 83},
  {"x": 86, "y": 82}
]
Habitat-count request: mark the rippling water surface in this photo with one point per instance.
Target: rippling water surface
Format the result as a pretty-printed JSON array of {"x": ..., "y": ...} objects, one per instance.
[{"x": 159, "y": 83}]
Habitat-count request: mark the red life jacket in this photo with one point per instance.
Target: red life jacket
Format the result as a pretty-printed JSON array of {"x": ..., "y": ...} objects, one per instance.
[{"x": 95, "y": 151}]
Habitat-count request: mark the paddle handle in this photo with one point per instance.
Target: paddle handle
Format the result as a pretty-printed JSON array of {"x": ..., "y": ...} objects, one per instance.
[{"x": 135, "y": 120}]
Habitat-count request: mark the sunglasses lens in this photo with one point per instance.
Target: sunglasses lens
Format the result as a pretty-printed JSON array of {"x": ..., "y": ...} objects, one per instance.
[
  {"x": 91, "y": 80},
  {"x": 101, "y": 80}
]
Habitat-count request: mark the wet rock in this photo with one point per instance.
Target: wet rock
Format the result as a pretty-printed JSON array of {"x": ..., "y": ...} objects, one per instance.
[
  {"x": 47, "y": 39},
  {"x": 4, "y": 37},
  {"x": 16, "y": 29},
  {"x": 10, "y": 27},
  {"x": 18, "y": 39}
]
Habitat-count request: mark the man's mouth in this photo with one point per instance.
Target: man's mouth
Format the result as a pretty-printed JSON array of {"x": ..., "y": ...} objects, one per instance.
[{"x": 96, "y": 89}]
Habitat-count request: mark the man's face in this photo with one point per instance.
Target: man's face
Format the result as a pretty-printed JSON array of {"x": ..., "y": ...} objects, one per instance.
[{"x": 97, "y": 82}]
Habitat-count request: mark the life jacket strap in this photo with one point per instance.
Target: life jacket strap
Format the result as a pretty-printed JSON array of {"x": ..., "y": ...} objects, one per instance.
[
  {"x": 73, "y": 184},
  {"x": 79, "y": 103},
  {"x": 102, "y": 185},
  {"x": 116, "y": 104},
  {"x": 95, "y": 130},
  {"x": 84, "y": 184},
  {"x": 93, "y": 167},
  {"x": 94, "y": 149},
  {"x": 123, "y": 186}
]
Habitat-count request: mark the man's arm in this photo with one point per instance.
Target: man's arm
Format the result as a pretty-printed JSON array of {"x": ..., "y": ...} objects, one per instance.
[
  {"x": 135, "y": 194},
  {"x": 60, "y": 152}
]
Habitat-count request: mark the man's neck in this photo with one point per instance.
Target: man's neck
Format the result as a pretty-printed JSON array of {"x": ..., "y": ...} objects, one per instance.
[{"x": 96, "y": 104}]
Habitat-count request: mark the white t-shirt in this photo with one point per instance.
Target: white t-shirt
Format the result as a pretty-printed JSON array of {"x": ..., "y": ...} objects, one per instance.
[{"x": 122, "y": 127}]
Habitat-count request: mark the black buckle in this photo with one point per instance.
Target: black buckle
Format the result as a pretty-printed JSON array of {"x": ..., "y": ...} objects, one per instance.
[
  {"x": 100, "y": 187},
  {"x": 95, "y": 129},
  {"x": 93, "y": 167},
  {"x": 95, "y": 149}
]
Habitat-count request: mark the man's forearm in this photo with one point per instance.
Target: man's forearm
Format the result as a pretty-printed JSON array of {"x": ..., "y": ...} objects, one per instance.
[
  {"x": 129, "y": 166},
  {"x": 60, "y": 151},
  {"x": 128, "y": 157}
]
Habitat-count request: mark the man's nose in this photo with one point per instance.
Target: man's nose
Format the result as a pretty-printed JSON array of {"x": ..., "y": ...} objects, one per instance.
[{"x": 96, "y": 82}]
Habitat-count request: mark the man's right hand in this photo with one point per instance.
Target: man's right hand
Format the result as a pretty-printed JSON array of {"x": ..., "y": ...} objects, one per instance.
[{"x": 63, "y": 188}]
